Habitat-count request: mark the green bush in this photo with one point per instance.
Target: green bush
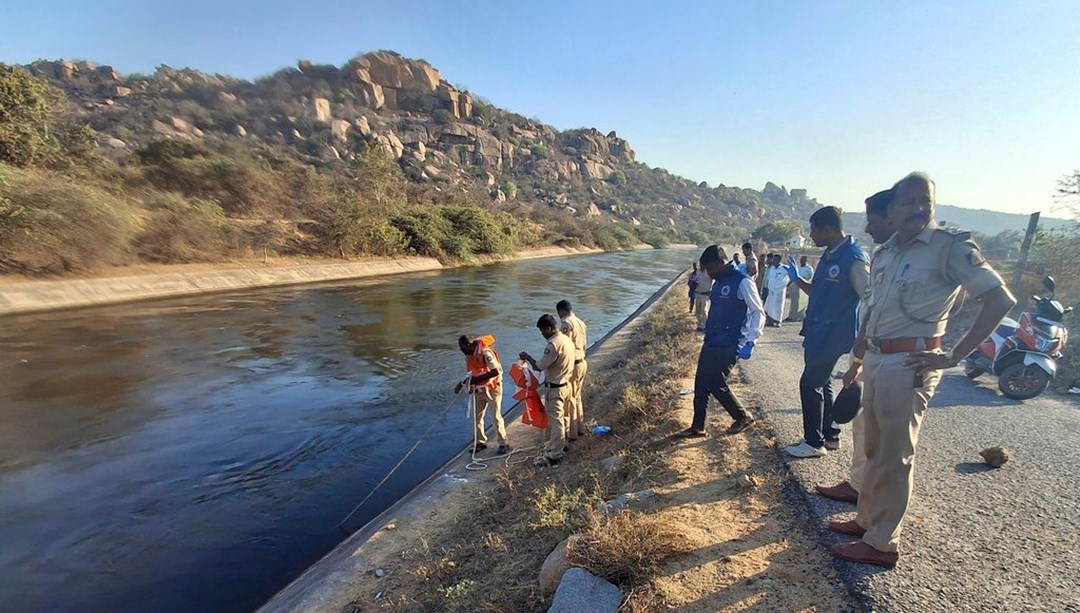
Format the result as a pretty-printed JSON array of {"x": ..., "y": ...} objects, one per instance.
[
  {"x": 454, "y": 232},
  {"x": 180, "y": 230},
  {"x": 30, "y": 130},
  {"x": 54, "y": 224}
]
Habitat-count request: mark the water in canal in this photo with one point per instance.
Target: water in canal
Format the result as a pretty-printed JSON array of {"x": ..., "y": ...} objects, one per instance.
[{"x": 197, "y": 453}]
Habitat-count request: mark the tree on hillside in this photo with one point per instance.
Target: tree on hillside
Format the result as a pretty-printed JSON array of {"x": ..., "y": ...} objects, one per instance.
[
  {"x": 357, "y": 220},
  {"x": 29, "y": 110},
  {"x": 776, "y": 232}
]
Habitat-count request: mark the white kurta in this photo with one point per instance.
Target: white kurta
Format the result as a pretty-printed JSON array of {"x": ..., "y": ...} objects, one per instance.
[{"x": 776, "y": 280}]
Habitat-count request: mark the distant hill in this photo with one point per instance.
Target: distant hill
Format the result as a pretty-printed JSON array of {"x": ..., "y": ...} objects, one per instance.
[{"x": 993, "y": 222}]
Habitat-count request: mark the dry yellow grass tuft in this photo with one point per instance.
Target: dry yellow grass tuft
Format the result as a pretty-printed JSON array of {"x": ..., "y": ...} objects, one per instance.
[{"x": 628, "y": 548}]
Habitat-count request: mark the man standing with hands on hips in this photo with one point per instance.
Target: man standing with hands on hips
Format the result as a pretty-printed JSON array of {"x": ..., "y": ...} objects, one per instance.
[
  {"x": 829, "y": 327},
  {"x": 914, "y": 281},
  {"x": 735, "y": 322}
]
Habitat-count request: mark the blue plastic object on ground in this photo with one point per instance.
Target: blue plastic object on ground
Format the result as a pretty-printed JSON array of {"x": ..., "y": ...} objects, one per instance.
[{"x": 601, "y": 430}]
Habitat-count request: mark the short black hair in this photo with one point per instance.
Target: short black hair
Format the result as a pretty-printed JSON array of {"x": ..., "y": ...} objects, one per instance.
[
  {"x": 712, "y": 253},
  {"x": 747, "y": 246},
  {"x": 564, "y": 305},
  {"x": 546, "y": 321},
  {"x": 878, "y": 204},
  {"x": 828, "y": 217},
  {"x": 463, "y": 340}
]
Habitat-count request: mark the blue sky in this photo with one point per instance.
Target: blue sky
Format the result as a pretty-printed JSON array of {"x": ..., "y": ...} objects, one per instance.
[{"x": 839, "y": 97}]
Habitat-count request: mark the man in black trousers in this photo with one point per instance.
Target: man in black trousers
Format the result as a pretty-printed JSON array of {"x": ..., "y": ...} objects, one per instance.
[{"x": 735, "y": 321}]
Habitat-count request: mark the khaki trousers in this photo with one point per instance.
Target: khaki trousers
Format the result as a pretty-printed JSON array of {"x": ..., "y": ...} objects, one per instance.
[
  {"x": 893, "y": 409},
  {"x": 858, "y": 451},
  {"x": 701, "y": 308},
  {"x": 575, "y": 411},
  {"x": 484, "y": 399},
  {"x": 555, "y": 401},
  {"x": 858, "y": 443}
]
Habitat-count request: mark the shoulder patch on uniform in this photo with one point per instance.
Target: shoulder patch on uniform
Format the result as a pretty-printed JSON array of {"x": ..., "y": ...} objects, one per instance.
[{"x": 956, "y": 234}]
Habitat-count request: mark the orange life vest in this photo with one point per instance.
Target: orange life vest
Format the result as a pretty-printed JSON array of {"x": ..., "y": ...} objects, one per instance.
[
  {"x": 529, "y": 393},
  {"x": 476, "y": 364}
]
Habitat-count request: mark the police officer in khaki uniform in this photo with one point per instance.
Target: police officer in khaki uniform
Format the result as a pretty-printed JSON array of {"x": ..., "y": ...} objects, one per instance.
[
  {"x": 572, "y": 326},
  {"x": 558, "y": 367},
  {"x": 915, "y": 279},
  {"x": 485, "y": 386}
]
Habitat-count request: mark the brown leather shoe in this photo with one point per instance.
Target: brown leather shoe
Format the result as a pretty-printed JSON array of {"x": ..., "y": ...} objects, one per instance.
[
  {"x": 847, "y": 527},
  {"x": 841, "y": 491},
  {"x": 865, "y": 554}
]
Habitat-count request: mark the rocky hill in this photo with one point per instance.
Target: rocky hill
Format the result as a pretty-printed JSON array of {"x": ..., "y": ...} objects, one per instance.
[
  {"x": 438, "y": 134},
  {"x": 381, "y": 155}
]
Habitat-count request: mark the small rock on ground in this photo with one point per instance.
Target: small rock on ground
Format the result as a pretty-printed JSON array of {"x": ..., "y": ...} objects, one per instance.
[{"x": 581, "y": 590}]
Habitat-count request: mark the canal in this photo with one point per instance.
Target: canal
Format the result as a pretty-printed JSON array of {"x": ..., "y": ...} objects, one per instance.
[{"x": 198, "y": 453}]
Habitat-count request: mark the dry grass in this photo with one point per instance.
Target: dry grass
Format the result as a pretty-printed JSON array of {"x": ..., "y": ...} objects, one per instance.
[{"x": 628, "y": 548}]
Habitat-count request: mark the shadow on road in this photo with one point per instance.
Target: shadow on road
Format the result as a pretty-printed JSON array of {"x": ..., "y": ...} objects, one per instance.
[{"x": 972, "y": 468}]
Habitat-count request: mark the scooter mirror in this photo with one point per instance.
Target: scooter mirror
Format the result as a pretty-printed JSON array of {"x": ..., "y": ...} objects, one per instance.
[{"x": 1049, "y": 284}]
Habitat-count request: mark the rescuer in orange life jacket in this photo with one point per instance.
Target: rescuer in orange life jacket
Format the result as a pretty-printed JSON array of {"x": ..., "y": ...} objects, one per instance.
[{"x": 485, "y": 385}]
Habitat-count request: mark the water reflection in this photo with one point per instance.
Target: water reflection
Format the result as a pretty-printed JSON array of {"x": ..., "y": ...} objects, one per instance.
[{"x": 198, "y": 453}]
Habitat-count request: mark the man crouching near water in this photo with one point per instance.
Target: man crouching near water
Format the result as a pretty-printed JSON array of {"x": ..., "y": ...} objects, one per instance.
[
  {"x": 735, "y": 321},
  {"x": 558, "y": 367},
  {"x": 485, "y": 385}
]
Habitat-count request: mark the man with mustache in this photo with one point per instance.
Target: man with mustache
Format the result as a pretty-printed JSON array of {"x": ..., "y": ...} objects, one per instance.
[{"x": 915, "y": 279}]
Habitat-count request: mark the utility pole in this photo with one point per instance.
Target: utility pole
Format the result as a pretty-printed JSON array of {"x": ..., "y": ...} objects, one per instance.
[{"x": 1021, "y": 264}]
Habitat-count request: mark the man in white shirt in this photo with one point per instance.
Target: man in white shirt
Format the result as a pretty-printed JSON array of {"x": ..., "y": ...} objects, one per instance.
[{"x": 776, "y": 280}]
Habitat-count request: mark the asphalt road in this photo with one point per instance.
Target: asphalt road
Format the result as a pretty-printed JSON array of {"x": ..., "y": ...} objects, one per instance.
[{"x": 975, "y": 538}]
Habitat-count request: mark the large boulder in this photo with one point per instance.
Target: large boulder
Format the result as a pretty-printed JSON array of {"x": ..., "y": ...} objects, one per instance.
[
  {"x": 339, "y": 128},
  {"x": 322, "y": 110},
  {"x": 581, "y": 590},
  {"x": 554, "y": 566},
  {"x": 389, "y": 69},
  {"x": 362, "y": 125},
  {"x": 596, "y": 170}
]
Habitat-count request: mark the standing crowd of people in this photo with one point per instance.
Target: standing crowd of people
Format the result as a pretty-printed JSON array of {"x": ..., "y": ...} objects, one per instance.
[
  {"x": 563, "y": 366},
  {"x": 885, "y": 312}
]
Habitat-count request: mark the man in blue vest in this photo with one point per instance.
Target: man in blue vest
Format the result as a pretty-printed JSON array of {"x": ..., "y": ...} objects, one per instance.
[
  {"x": 829, "y": 329},
  {"x": 735, "y": 321}
]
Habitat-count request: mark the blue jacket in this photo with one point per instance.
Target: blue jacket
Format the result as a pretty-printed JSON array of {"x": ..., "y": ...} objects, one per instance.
[
  {"x": 831, "y": 325},
  {"x": 727, "y": 315}
]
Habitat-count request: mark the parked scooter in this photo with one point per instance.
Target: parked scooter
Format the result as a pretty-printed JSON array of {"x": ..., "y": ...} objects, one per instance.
[{"x": 1024, "y": 354}]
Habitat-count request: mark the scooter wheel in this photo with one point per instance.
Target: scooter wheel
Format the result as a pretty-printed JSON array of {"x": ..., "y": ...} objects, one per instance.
[{"x": 1021, "y": 381}]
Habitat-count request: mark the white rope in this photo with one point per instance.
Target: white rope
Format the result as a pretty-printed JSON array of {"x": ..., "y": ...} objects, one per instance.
[{"x": 481, "y": 464}]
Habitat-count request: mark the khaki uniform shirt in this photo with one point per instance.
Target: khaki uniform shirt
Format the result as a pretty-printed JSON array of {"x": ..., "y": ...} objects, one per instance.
[
  {"x": 913, "y": 286},
  {"x": 576, "y": 329},
  {"x": 558, "y": 360}
]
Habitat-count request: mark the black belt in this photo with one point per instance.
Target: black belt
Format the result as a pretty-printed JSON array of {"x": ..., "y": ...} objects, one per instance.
[
  {"x": 548, "y": 384},
  {"x": 579, "y": 361}
]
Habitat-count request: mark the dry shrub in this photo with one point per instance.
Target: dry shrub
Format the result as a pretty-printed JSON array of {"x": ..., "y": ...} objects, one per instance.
[
  {"x": 563, "y": 508},
  {"x": 181, "y": 230},
  {"x": 57, "y": 225},
  {"x": 628, "y": 548}
]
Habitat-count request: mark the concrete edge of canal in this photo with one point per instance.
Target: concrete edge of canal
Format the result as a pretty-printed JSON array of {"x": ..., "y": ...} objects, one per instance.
[
  {"x": 324, "y": 586},
  {"x": 37, "y": 296}
]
